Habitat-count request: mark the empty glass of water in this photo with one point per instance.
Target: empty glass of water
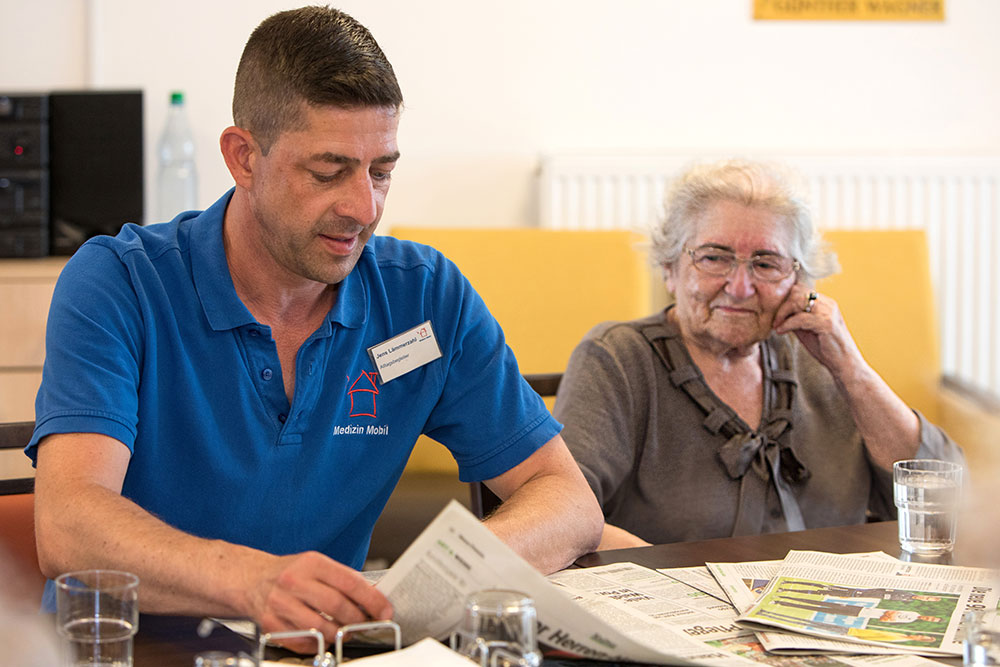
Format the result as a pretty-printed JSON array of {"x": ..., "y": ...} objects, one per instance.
[{"x": 499, "y": 629}]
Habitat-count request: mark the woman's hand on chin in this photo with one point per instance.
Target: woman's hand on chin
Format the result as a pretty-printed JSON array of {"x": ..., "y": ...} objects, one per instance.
[{"x": 821, "y": 329}]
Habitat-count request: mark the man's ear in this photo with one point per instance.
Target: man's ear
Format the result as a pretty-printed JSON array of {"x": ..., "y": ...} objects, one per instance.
[{"x": 240, "y": 151}]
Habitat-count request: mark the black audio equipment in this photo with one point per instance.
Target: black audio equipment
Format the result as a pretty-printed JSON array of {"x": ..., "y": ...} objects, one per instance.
[
  {"x": 71, "y": 167},
  {"x": 24, "y": 214}
]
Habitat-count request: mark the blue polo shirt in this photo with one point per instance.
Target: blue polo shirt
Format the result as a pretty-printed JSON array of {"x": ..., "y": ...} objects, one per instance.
[{"x": 147, "y": 342}]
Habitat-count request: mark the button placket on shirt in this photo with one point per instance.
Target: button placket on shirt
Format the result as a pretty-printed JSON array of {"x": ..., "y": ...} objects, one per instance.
[
  {"x": 263, "y": 363},
  {"x": 308, "y": 383},
  {"x": 262, "y": 359}
]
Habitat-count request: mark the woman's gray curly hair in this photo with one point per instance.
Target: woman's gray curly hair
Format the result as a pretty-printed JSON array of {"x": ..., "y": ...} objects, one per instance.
[{"x": 745, "y": 182}]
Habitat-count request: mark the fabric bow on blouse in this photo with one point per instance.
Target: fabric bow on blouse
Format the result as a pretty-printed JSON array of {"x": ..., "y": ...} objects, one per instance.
[{"x": 755, "y": 459}]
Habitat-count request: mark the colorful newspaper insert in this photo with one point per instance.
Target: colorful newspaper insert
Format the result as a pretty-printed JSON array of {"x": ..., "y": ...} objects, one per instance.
[{"x": 911, "y": 607}]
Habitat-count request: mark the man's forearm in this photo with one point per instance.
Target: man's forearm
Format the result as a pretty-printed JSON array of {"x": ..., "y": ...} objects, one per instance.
[
  {"x": 94, "y": 527},
  {"x": 550, "y": 521}
]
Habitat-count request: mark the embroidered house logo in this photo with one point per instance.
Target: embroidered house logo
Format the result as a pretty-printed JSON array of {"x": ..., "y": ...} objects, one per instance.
[{"x": 363, "y": 392}]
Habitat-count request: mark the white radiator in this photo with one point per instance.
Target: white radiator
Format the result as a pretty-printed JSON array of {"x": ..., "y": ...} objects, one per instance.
[{"x": 955, "y": 199}]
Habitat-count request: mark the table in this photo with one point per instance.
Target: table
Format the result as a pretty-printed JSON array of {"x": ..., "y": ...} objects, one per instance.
[
  {"x": 168, "y": 641},
  {"x": 880, "y": 536}
]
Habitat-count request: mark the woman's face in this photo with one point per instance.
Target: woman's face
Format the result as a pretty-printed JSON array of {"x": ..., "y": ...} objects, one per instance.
[{"x": 720, "y": 313}]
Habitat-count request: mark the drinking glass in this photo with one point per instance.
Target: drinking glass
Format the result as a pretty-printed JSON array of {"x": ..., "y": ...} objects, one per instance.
[
  {"x": 97, "y": 614},
  {"x": 498, "y": 629},
  {"x": 926, "y": 493},
  {"x": 981, "y": 647}
]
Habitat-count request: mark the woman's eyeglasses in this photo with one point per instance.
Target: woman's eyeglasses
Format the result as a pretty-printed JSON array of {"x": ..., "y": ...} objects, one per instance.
[{"x": 767, "y": 267}]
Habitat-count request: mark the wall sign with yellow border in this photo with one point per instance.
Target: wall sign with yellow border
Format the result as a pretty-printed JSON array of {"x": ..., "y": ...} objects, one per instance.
[{"x": 849, "y": 10}]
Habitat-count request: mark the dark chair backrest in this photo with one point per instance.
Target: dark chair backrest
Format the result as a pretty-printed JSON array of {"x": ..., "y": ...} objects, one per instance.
[
  {"x": 15, "y": 435},
  {"x": 17, "y": 516},
  {"x": 484, "y": 501}
]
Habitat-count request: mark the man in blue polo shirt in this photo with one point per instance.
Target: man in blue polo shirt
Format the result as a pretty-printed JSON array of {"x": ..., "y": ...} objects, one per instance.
[{"x": 229, "y": 398}]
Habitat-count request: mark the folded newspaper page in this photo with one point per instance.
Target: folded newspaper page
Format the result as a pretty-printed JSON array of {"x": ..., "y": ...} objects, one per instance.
[
  {"x": 911, "y": 607},
  {"x": 744, "y": 583}
]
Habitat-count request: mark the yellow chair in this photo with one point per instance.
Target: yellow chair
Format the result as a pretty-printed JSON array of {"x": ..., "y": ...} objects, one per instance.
[
  {"x": 547, "y": 288},
  {"x": 885, "y": 292}
]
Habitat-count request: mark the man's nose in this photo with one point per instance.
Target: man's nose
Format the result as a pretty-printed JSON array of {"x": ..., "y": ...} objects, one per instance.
[{"x": 359, "y": 201}]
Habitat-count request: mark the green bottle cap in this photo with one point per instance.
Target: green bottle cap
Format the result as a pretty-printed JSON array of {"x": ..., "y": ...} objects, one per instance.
[{"x": 177, "y": 97}]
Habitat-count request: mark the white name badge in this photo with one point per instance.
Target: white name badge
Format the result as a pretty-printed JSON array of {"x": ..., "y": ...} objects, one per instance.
[{"x": 401, "y": 354}]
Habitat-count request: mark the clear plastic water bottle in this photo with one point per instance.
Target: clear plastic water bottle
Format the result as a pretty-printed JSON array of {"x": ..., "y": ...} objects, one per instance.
[{"x": 177, "y": 180}]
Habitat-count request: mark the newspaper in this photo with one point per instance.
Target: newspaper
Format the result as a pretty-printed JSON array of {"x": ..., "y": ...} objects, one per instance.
[
  {"x": 621, "y": 612},
  {"x": 910, "y": 607},
  {"x": 743, "y": 583}
]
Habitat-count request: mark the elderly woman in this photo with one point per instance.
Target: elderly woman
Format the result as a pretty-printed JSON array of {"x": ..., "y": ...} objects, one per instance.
[{"x": 745, "y": 407}]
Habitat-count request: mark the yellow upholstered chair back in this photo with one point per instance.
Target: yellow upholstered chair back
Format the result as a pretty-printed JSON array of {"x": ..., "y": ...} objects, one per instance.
[
  {"x": 547, "y": 288},
  {"x": 885, "y": 293}
]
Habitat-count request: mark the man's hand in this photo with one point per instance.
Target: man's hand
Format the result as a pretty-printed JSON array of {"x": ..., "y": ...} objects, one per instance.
[{"x": 310, "y": 590}]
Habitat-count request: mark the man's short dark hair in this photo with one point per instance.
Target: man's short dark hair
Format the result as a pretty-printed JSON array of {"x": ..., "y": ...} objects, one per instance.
[{"x": 317, "y": 55}]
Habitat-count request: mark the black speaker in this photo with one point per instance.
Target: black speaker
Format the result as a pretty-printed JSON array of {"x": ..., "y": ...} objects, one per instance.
[{"x": 95, "y": 165}]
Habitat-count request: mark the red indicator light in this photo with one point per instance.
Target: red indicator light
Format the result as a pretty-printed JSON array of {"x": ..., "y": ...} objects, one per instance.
[{"x": 18, "y": 150}]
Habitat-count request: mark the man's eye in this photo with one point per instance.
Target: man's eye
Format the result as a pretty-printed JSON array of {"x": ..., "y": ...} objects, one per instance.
[
  {"x": 324, "y": 178},
  {"x": 381, "y": 175}
]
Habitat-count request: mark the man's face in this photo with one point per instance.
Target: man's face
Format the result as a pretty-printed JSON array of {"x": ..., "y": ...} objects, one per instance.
[{"x": 318, "y": 194}]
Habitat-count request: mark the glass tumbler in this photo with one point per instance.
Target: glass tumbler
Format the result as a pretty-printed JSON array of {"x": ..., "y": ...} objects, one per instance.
[
  {"x": 499, "y": 629},
  {"x": 97, "y": 614},
  {"x": 927, "y": 493},
  {"x": 981, "y": 647}
]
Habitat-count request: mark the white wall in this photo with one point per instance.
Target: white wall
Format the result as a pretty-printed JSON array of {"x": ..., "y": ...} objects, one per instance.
[
  {"x": 489, "y": 87},
  {"x": 43, "y": 45}
]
